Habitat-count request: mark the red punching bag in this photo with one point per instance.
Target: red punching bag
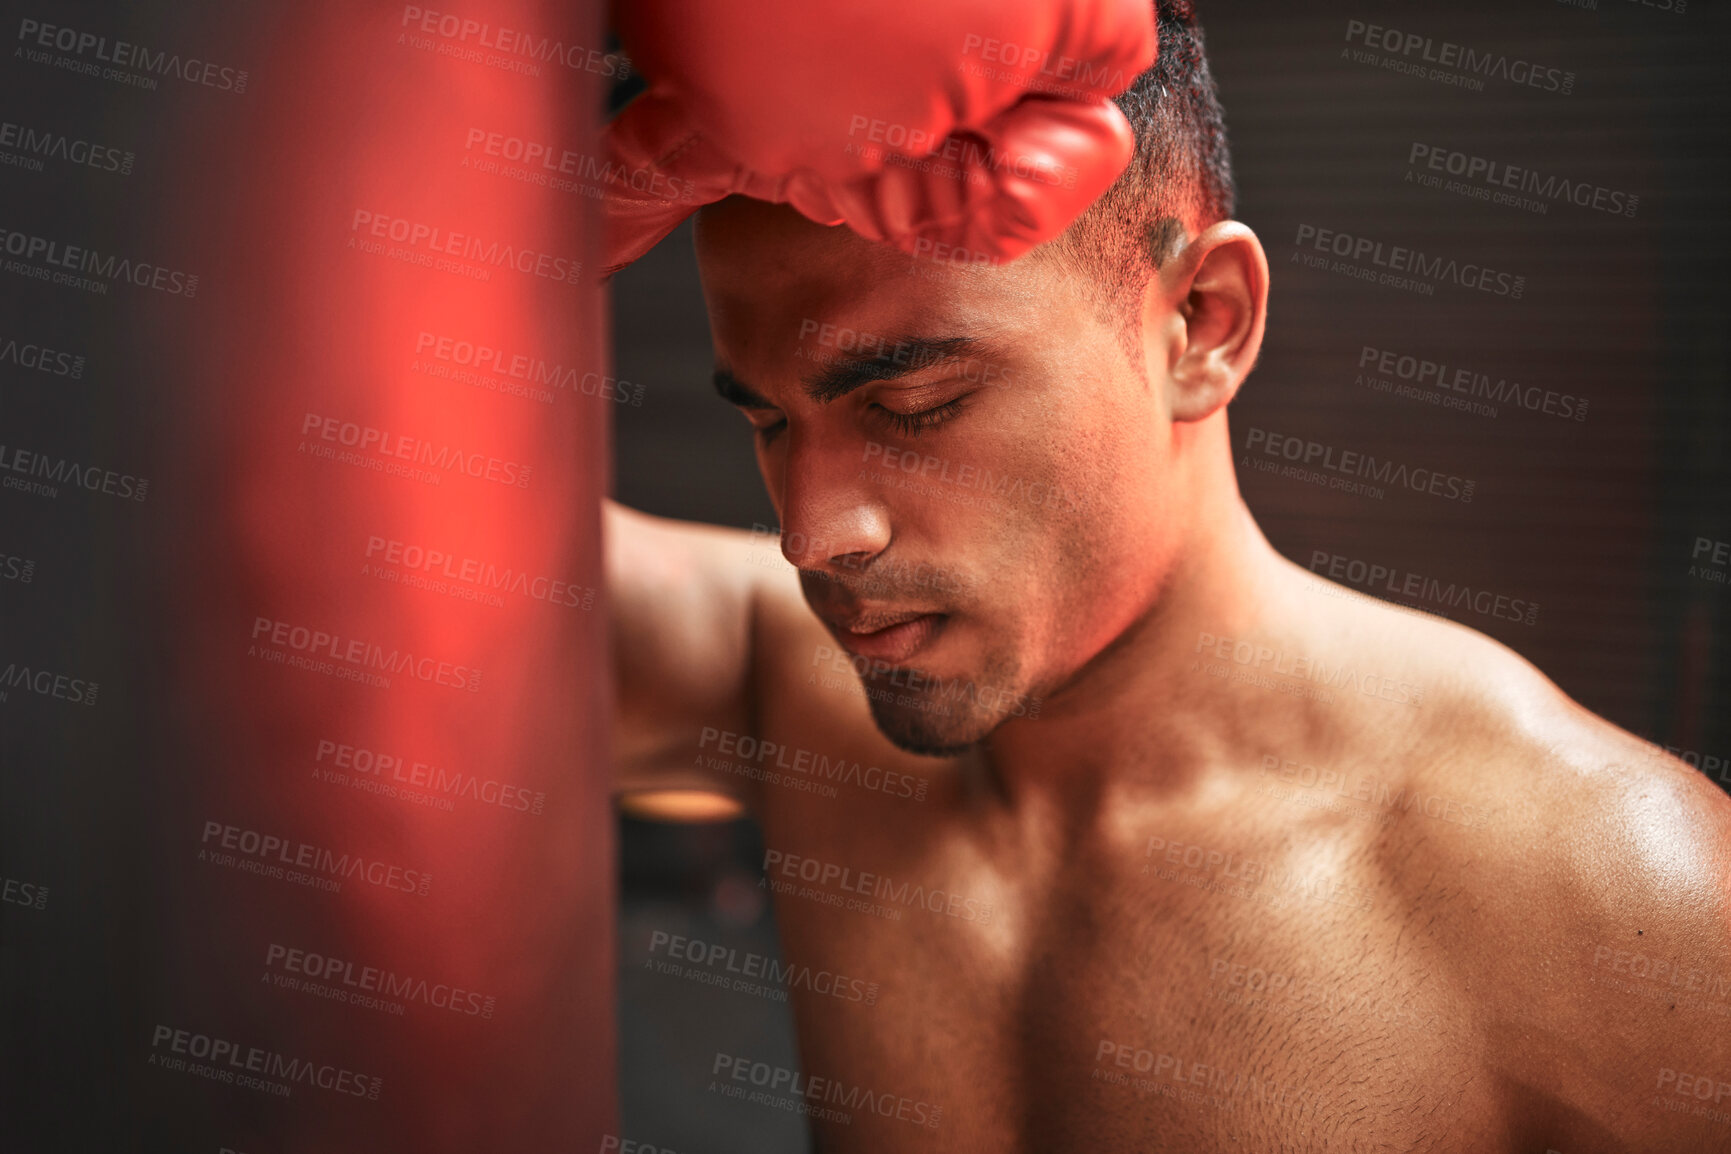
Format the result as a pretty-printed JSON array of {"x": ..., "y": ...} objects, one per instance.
[{"x": 392, "y": 859}]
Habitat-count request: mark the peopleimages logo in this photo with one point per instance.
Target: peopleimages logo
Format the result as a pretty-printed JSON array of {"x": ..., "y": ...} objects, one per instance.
[
  {"x": 1502, "y": 181},
  {"x": 356, "y": 655},
  {"x": 419, "y": 451},
  {"x": 32, "y": 145},
  {"x": 925, "y": 690},
  {"x": 41, "y": 358},
  {"x": 830, "y": 877},
  {"x": 267, "y": 855},
  {"x": 361, "y": 985},
  {"x": 1194, "y": 1082},
  {"x": 794, "y": 760},
  {"x": 877, "y": 577},
  {"x": 78, "y": 266},
  {"x": 47, "y": 683},
  {"x": 1035, "y": 69},
  {"x": 1400, "y": 583},
  {"x": 956, "y": 157},
  {"x": 234, "y": 1063},
  {"x": 14, "y": 568},
  {"x": 1378, "y": 791},
  {"x": 723, "y": 960},
  {"x": 381, "y": 767},
  {"x": 36, "y": 36},
  {"x": 56, "y": 471},
  {"x": 1402, "y": 263},
  {"x": 545, "y": 163},
  {"x": 34, "y": 896},
  {"x": 839, "y": 342},
  {"x": 508, "y": 48},
  {"x": 1453, "y": 63},
  {"x": 476, "y": 362},
  {"x": 1256, "y": 656},
  {"x": 423, "y": 243},
  {"x": 804, "y": 1090},
  {"x": 1447, "y": 380},
  {"x": 1251, "y": 984},
  {"x": 891, "y": 460},
  {"x": 482, "y": 576},
  {"x": 1307, "y": 455}
]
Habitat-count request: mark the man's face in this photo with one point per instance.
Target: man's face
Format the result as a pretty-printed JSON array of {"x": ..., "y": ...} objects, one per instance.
[{"x": 966, "y": 464}]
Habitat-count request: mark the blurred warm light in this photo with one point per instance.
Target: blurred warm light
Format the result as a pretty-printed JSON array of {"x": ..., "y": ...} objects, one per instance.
[{"x": 680, "y": 805}]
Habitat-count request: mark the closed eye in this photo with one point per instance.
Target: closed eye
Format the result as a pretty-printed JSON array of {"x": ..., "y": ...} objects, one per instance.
[
  {"x": 766, "y": 423},
  {"x": 913, "y": 424}
]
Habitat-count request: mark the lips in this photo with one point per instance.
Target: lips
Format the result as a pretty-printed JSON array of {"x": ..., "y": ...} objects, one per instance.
[{"x": 891, "y": 637}]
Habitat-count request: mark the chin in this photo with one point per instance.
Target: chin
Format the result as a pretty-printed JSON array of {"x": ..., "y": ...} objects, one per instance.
[
  {"x": 913, "y": 731},
  {"x": 942, "y": 717}
]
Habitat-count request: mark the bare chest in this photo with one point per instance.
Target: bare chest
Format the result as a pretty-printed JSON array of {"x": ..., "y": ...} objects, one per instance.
[{"x": 1167, "y": 991}]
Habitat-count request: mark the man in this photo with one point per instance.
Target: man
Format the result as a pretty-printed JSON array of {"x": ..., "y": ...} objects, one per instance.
[{"x": 1150, "y": 839}]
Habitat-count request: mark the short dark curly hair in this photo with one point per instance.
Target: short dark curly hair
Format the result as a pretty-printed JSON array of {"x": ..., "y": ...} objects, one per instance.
[{"x": 1178, "y": 182}]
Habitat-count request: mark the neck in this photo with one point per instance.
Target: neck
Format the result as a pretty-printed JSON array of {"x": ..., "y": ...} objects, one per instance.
[{"x": 1145, "y": 709}]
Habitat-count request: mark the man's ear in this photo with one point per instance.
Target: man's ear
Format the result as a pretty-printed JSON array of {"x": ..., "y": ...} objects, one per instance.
[{"x": 1204, "y": 315}]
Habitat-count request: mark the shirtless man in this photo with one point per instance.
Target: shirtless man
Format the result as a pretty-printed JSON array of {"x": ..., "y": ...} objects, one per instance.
[{"x": 1170, "y": 845}]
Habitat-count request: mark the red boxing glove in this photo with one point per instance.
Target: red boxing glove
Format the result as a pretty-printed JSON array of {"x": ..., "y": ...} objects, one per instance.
[{"x": 984, "y": 125}]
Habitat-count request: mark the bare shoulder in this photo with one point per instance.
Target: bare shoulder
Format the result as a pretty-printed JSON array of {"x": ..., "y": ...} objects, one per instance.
[
  {"x": 1586, "y": 913},
  {"x": 1561, "y": 794}
]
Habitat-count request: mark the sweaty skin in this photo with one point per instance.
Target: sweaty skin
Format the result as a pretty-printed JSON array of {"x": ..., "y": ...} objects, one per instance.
[{"x": 1216, "y": 855}]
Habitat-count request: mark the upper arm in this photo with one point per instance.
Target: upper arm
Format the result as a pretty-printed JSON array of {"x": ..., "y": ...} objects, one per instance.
[
  {"x": 683, "y": 601},
  {"x": 1660, "y": 962},
  {"x": 1603, "y": 948}
]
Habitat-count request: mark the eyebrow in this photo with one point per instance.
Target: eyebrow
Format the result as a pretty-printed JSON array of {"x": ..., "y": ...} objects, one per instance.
[
  {"x": 851, "y": 371},
  {"x": 892, "y": 361}
]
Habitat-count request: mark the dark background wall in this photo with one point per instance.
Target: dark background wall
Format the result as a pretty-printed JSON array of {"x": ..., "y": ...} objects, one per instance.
[{"x": 1595, "y": 521}]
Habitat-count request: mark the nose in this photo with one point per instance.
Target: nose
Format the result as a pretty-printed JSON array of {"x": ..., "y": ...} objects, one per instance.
[{"x": 831, "y": 519}]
